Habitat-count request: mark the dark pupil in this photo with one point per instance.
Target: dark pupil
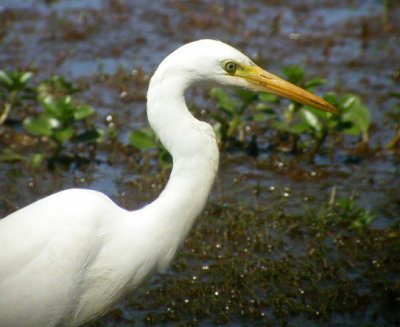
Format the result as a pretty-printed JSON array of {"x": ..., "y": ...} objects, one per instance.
[{"x": 231, "y": 66}]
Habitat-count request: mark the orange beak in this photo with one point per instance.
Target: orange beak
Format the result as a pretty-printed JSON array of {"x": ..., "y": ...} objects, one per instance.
[{"x": 264, "y": 81}]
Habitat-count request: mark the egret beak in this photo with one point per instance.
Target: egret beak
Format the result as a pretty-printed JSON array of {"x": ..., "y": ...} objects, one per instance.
[{"x": 263, "y": 81}]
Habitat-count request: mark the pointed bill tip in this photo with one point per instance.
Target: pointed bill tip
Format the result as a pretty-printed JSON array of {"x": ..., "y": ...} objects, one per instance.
[{"x": 264, "y": 81}]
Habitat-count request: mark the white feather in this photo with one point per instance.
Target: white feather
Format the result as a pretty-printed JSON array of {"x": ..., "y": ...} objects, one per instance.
[{"x": 69, "y": 257}]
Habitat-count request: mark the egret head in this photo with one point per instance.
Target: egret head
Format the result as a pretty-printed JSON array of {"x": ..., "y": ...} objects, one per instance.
[{"x": 211, "y": 60}]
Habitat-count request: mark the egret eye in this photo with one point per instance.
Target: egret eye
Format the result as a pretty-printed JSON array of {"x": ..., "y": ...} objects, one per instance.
[{"x": 230, "y": 67}]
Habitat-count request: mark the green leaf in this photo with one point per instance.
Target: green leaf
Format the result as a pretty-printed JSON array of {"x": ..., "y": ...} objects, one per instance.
[
  {"x": 36, "y": 159},
  {"x": 63, "y": 108},
  {"x": 321, "y": 114},
  {"x": 82, "y": 111},
  {"x": 347, "y": 101},
  {"x": 9, "y": 156},
  {"x": 89, "y": 136},
  {"x": 266, "y": 97},
  {"x": 299, "y": 128},
  {"x": 363, "y": 221},
  {"x": 332, "y": 98},
  {"x": 55, "y": 86},
  {"x": 25, "y": 77},
  {"x": 260, "y": 117},
  {"x": 315, "y": 82},
  {"x": 264, "y": 108},
  {"x": 280, "y": 126},
  {"x": 67, "y": 107},
  {"x": 42, "y": 125},
  {"x": 219, "y": 119},
  {"x": 66, "y": 101},
  {"x": 246, "y": 96},
  {"x": 225, "y": 102},
  {"x": 294, "y": 74},
  {"x": 219, "y": 131},
  {"x": 346, "y": 204},
  {"x": 354, "y": 111},
  {"x": 62, "y": 85},
  {"x": 311, "y": 119},
  {"x": 6, "y": 79},
  {"x": 51, "y": 106},
  {"x": 64, "y": 135},
  {"x": 141, "y": 140},
  {"x": 165, "y": 159}
]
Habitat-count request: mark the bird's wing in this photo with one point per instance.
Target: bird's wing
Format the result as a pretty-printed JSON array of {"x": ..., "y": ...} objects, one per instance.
[
  {"x": 43, "y": 249},
  {"x": 63, "y": 218}
]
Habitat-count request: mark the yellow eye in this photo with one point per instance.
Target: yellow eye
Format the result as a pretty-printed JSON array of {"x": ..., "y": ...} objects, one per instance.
[{"x": 230, "y": 67}]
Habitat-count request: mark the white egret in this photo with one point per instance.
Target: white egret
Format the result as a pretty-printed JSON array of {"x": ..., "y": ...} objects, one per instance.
[{"x": 69, "y": 257}]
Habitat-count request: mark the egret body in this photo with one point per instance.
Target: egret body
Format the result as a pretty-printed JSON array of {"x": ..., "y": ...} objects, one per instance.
[{"x": 69, "y": 257}]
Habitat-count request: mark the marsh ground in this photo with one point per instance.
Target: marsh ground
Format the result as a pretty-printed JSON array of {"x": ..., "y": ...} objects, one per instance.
[{"x": 273, "y": 246}]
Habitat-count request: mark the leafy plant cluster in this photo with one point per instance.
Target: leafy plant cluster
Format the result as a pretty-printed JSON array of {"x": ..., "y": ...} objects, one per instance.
[
  {"x": 63, "y": 123},
  {"x": 295, "y": 119},
  {"x": 146, "y": 139},
  {"x": 13, "y": 90},
  {"x": 243, "y": 109}
]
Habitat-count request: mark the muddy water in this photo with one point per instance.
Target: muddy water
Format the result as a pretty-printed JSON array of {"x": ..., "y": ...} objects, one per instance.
[{"x": 351, "y": 43}]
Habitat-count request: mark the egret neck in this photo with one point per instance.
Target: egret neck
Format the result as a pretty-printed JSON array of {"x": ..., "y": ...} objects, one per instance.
[{"x": 193, "y": 146}]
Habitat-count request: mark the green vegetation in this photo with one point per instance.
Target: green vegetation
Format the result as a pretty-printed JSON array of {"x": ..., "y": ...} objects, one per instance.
[
  {"x": 13, "y": 90},
  {"x": 241, "y": 119},
  {"x": 62, "y": 117},
  {"x": 145, "y": 139},
  {"x": 63, "y": 121},
  {"x": 230, "y": 121},
  {"x": 291, "y": 124},
  {"x": 294, "y": 120}
]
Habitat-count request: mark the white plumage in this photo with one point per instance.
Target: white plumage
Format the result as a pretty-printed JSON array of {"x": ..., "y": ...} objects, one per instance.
[{"x": 69, "y": 257}]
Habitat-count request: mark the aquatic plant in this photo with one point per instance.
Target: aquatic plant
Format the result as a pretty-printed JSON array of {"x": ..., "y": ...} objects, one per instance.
[
  {"x": 63, "y": 120},
  {"x": 145, "y": 139},
  {"x": 13, "y": 90},
  {"x": 241, "y": 109},
  {"x": 295, "y": 119},
  {"x": 230, "y": 119}
]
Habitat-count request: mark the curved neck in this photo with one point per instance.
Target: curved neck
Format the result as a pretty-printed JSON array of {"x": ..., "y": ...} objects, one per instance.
[{"x": 195, "y": 154}]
